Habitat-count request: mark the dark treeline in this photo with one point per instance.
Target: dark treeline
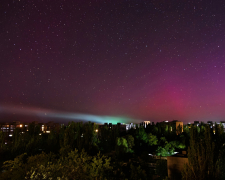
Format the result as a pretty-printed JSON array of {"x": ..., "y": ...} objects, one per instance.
[{"x": 86, "y": 151}]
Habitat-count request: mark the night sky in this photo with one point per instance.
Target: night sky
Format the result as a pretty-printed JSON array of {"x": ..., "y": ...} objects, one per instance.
[{"x": 147, "y": 60}]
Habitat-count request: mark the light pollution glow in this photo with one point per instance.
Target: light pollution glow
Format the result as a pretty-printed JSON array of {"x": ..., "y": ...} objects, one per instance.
[{"x": 45, "y": 113}]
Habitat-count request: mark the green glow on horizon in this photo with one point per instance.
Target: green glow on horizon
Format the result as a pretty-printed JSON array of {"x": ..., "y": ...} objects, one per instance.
[
  {"x": 46, "y": 113},
  {"x": 115, "y": 120}
]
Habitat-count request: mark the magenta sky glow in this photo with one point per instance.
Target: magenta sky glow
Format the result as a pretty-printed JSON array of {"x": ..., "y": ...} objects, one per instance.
[{"x": 148, "y": 60}]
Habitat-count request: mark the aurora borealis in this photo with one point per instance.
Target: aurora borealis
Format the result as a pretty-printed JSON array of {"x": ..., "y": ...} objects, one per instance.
[
  {"x": 62, "y": 117},
  {"x": 147, "y": 60}
]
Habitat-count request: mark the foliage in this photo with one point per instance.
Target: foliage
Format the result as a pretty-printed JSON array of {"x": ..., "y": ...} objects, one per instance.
[
  {"x": 154, "y": 129},
  {"x": 121, "y": 146},
  {"x": 61, "y": 161},
  {"x": 152, "y": 139},
  {"x": 186, "y": 129},
  {"x": 201, "y": 157},
  {"x": 221, "y": 165},
  {"x": 45, "y": 166},
  {"x": 161, "y": 168},
  {"x": 168, "y": 148},
  {"x": 137, "y": 173},
  {"x": 14, "y": 169},
  {"x": 141, "y": 134},
  {"x": 108, "y": 139},
  {"x": 165, "y": 148},
  {"x": 130, "y": 142}
]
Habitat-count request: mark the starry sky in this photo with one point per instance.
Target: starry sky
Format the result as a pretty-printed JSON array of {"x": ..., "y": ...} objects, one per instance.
[{"x": 147, "y": 60}]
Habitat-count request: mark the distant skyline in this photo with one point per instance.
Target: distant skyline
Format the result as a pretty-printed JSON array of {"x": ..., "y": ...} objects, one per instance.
[
  {"x": 28, "y": 115},
  {"x": 150, "y": 60}
]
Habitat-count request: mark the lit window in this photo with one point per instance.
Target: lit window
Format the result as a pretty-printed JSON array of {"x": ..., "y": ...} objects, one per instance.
[
  {"x": 10, "y": 135},
  {"x": 47, "y": 131}
]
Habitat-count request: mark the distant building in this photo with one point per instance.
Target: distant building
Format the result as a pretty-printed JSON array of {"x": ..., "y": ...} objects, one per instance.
[
  {"x": 223, "y": 123},
  {"x": 129, "y": 126},
  {"x": 210, "y": 123},
  {"x": 146, "y": 123},
  {"x": 9, "y": 128},
  {"x": 174, "y": 125},
  {"x": 196, "y": 123},
  {"x": 48, "y": 127},
  {"x": 119, "y": 126},
  {"x": 180, "y": 125}
]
